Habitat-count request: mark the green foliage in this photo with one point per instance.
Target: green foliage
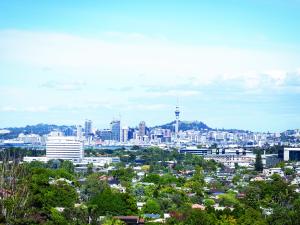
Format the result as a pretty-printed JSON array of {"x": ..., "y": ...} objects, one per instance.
[
  {"x": 113, "y": 221},
  {"x": 289, "y": 171},
  {"x": 90, "y": 168},
  {"x": 152, "y": 178},
  {"x": 198, "y": 175},
  {"x": 112, "y": 203},
  {"x": 124, "y": 174},
  {"x": 93, "y": 185},
  {"x": 57, "y": 218},
  {"x": 38, "y": 189},
  {"x": 251, "y": 217},
  {"x": 36, "y": 164},
  {"x": 209, "y": 202},
  {"x": 57, "y": 194},
  {"x": 236, "y": 179},
  {"x": 196, "y": 217},
  {"x": 228, "y": 199},
  {"x": 227, "y": 220},
  {"x": 280, "y": 164},
  {"x": 68, "y": 166},
  {"x": 269, "y": 194},
  {"x": 151, "y": 206},
  {"x": 77, "y": 215},
  {"x": 258, "y": 163}
]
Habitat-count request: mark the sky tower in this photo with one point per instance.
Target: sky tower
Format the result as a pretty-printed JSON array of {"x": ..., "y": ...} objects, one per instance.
[{"x": 177, "y": 112}]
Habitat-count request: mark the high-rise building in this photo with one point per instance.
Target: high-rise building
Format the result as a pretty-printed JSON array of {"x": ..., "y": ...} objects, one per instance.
[
  {"x": 142, "y": 129},
  {"x": 66, "y": 148},
  {"x": 87, "y": 128},
  {"x": 130, "y": 133},
  {"x": 124, "y": 136},
  {"x": 79, "y": 131},
  {"x": 104, "y": 134},
  {"x": 115, "y": 126},
  {"x": 69, "y": 132},
  {"x": 177, "y": 112}
]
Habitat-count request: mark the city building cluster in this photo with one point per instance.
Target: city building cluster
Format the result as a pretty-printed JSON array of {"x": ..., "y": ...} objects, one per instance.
[
  {"x": 230, "y": 147},
  {"x": 177, "y": 134}
]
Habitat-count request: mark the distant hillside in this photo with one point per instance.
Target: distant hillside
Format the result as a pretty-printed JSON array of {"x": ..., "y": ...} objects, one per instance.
[
  {"x": 40, "y": 129},
  {"x": 186, "y": 125}
]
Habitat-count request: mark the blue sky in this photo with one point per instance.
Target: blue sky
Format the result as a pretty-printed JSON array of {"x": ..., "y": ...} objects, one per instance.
[{"x": 231, "y": 64}]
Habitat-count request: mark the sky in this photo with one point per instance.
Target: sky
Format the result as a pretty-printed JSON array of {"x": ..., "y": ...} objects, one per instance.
[{"x": 228, "y": 63}]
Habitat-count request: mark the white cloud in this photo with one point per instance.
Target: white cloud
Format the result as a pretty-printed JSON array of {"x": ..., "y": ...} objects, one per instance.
[
  {"x": 65, "y": 86},
  {"x": 8, "y": 109},
  {"x": 148, "y": 107},
  {"x": 123, "y": 59},
  {"x": 171, "y": 93},
  {"x": 31, "y": 109}
]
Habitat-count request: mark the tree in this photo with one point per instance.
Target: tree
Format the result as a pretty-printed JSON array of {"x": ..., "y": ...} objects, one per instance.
[
  {"x": 112, "y": 203},
  {"x": 209, "y": 202},
  {"x": 281, "y": 216},
  {"x": 57, "y": 218},
  {"x": 93, "y": 185},
  {"x": 123, "y": 174},
  {"x": 113, "y": 221},
  {"x": 258, "y": 163},
  {"x": 253, "y": 196},
  {"x": 54, "y": 164},
  {"x": 236, "y": 179},
  {"x": 152, "y": 178},
  {"x": 68, "y": 166},
  {"x": 289, "y": 171},
  {"x": 14, "y": 186},
  {"x": 78, "y": 215},
  {"x": 200, "y": 217},
  {"x": 44, "y": 194},
  {"x": 198, "y": 175},
  {"x": 90, "y": 168},
  {"x": 251, "y": 217},
  {"x": 151, "y": 206},
  {"x": 228, "y": 199},
  {"x": 227, "y": 220}
]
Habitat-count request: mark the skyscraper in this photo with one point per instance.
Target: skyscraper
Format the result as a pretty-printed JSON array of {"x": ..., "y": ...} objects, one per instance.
[
  {"x": 79, "y": 131},
  {"x": 142, "y": 129},
  {"x": 115, "y": 130},
  {"x": 87, "y": 128},
  {"x": 124, "y": 136}
]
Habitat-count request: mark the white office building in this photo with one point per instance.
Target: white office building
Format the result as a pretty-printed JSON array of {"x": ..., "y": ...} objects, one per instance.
[
  {"x": 66, "y": 148},
  {"x": 292, "y": 154}
]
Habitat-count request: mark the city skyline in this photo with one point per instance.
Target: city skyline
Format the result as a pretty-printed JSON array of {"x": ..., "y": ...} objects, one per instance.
[{"x": 232, "y": 64}]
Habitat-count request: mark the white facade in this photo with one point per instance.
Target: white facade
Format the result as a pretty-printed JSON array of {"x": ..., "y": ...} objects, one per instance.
[
  {"x": 66, "y": 148},
  {"x": 286, "y": 153}
]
